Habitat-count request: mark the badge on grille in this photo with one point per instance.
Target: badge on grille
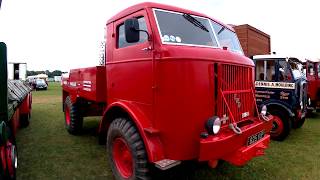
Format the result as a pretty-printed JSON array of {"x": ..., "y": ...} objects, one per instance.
[
  {"x": 245, "y": 114},
  {"x": 237, "y": 100}
]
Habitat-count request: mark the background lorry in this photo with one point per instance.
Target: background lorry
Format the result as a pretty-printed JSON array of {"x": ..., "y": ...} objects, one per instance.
[
  {"x": 281, "y": 86},
  {"x": 175, "y": 86},
  {"x": 282, "y": 102},
  {"x": 15, "y": 112},
  {"x": 312, "y": 71}
]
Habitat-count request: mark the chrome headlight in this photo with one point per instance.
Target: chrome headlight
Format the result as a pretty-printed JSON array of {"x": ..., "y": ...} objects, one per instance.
[
  {"x": 213, "y": 125},
  {"x": 264, "y": 110}
]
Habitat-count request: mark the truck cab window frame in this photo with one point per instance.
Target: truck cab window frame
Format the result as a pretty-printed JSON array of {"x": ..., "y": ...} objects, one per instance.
[
  {"x": 310, "y": 69},
  {"x": 265, "y": 70},
  {"x": 284, "y": 71},
  {"x": 121, "y": 39}
]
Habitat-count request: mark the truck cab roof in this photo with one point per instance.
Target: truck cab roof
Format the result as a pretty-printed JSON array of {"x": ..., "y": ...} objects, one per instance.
[
  {"x": 146, "y": 5},
  {"x": 276, "y": 56},
  {"x": 313, "y": 60}
]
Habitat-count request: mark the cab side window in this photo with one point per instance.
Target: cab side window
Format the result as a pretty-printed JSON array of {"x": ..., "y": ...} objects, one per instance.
[
  {"x": 260, "y": 70},
  {"x": 311, "y": 69},
  {"x": 122, "y": 38},
  {"x": 271, "y": 74},
  {"x": 284, "y": 71},
  {"x": 265, "y": 70}
]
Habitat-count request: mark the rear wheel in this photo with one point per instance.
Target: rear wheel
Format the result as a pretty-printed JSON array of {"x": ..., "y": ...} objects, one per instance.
[
  {"x": 73, "y": 118},
  {"x": 281, "y": 125},
  {"x": 126, "y": 151},
  {"x": 25, "y": 120}
]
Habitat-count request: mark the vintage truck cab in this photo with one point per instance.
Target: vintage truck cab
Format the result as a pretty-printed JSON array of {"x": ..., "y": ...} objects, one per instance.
[
  {"x": 281, "y": 86},
  {"x": 175, "y": 86},
  {"x": 312, "y": 71}
]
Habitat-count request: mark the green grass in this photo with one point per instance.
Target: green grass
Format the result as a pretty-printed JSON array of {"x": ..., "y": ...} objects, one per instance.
[{"x": 47, "y": 151}]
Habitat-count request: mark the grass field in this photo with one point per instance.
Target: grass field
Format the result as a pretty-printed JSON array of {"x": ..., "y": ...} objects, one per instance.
[{"x": 47, "y": 151}]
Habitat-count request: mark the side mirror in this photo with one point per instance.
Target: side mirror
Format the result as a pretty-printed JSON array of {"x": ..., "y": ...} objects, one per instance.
[{"x": 132, "y": 32}]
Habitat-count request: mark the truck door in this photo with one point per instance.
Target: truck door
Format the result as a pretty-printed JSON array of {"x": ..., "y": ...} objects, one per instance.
[{"x": 129, "y": 72}]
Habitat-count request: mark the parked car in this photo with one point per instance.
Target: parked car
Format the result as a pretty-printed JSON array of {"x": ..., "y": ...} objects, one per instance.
[{"x": 40, "y": 84}]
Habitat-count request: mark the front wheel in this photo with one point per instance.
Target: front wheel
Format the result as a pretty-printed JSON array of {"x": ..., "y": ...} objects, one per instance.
[
  {"x": 299, "y": 123},
  {"x": 126, "y": 151},
  {"x": 281, "y": 125}
]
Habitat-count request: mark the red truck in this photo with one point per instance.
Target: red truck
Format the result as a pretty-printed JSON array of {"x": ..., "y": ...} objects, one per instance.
[
  {"x": 15, "y": 111},
  {"x": 175, "y": 86},
  {"x": 312, "y": 70}
]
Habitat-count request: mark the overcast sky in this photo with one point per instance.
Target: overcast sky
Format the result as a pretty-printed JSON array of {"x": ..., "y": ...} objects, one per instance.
[{"x": 64, "y": 34}]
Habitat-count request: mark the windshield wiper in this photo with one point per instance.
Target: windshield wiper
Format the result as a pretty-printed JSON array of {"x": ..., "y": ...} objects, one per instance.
[
  {"x": 195, "y": 22},
  {"x": 222, "y": 29}
]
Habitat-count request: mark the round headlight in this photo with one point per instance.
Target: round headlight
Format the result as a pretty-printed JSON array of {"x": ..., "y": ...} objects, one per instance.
[
  {"x": 213, "y": 125},
  {"x": 264, "y": 110},
  {"x": 216, "y": 126}
]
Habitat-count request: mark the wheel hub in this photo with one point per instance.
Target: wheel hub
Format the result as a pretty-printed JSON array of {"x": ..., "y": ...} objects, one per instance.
[
  {"x": 277, "y": 126},
  {"x": 122, "y": 157},
  {"x": 67, "y": 114}
]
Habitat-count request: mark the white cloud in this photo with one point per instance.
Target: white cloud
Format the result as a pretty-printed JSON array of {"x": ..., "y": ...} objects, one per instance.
[{"x": 59, "y": 34}]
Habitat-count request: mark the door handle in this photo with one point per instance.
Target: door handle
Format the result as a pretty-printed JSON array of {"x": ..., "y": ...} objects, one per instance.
[{"x": 147, "y": 49}]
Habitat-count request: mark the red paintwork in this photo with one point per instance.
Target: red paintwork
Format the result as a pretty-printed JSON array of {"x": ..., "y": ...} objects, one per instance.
[
  {"x": 122, "y": 157},
  {"x": 3, "y": 157},
  {"x": 9, "y": 158},
  {"x": 15, "y": 121},
  {"x": 313, "y": 84},
  {"x": 169, "y": 93},
  {"x": 25, "y": 105},
  {"x": 24, "y": 108},
  {"x": 230, "y": 145}
]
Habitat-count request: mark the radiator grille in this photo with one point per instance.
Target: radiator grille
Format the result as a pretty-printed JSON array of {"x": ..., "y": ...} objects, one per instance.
[{"x": 235, "y": 92}]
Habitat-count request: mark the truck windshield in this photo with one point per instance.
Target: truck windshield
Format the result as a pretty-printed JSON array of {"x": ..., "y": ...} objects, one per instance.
[
  {"x": 227, "y": 38},
  {"x": 184, "y": 29}
]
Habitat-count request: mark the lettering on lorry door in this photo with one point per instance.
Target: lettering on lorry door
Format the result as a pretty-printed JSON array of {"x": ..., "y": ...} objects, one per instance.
[{"x": 278, "y": 85}]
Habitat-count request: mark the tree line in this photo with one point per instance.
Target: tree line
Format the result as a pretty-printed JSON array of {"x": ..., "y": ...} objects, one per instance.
[{"x": 47, "y": 72}]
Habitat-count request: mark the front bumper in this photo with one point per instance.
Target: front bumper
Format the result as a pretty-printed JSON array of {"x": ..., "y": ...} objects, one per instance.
[{"x": 232, "y": 147}]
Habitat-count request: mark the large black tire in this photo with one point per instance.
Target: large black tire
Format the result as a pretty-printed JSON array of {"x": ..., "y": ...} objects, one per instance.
[
  {"x": 73, "y": 117},
  {"x": 122, "y": 131},
  {"x": 281, "y": 125},
  {"x": 299, "y": 123},
  {"x": 25, "y": 120}
]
